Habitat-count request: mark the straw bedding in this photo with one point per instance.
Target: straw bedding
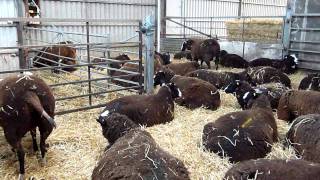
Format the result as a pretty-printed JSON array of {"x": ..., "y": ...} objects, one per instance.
[{"x": 77, "y": 143}]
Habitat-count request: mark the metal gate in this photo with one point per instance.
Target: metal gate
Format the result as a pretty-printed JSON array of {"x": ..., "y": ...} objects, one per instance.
[{"x": 303, "y": 32}]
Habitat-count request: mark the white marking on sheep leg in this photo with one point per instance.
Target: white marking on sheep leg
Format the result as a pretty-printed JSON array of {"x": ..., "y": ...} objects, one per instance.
[
  {"x": 43, "y": 162},
  {"x": 105, "y": 113},
  {"x": 256, "y": 175},
  {"x": 21, "y": 177}
]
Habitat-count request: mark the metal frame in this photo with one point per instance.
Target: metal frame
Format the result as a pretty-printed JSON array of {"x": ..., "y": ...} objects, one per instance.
[{"x": 89, "y": 81}]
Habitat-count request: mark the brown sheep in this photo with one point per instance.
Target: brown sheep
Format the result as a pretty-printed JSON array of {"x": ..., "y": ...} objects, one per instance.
[
  {"x": 218, "y": 79},
  {"x": 26, "y": 103},
  {"x": 264, "y": 169},
  {"x": 294, "y": 103},
  {"x": 146, "y": 110},
  {"x": 196, "y": 93},
  {"x": 243, "y": 135},
  {"x": 117, "y": 65},
  {"x": 134, "y": 154},
  {"x": 183, "y": 68},
  {"x": 43, "y": 59},
  {"x": 263, "y": 75},
  {"x": 204, "y": 50},
  {"x": 304, "y": 136},
  {"x": 183, "y": 54}
]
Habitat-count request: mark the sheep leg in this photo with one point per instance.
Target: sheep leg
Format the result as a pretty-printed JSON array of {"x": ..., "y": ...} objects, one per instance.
[
  {"x": 208, "y": 64},
  {"x": 33, "y": 133},
  {"x": 43, "y": 137}
]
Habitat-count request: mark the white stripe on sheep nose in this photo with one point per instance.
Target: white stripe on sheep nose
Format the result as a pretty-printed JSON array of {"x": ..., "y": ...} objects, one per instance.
[
  {"x": 105, "y": 114},
  {"x": 245, "y": 95},
  {"x": 179, "y": 93},
  {"x": 213, "y": 93},
  {"x": 295, "y": 58}
]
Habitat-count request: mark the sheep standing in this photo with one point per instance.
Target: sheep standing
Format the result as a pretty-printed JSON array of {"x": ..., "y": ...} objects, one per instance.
[
  {"x": 146, "y": 109},
  {"x": 243, "y": 135},
  {"x": 204, "y": 50},
  {"x": 304, "y": 136},
  {"x": 49, "y": 56},
  {"x": 133, "y": 154},
  {"x": 294, "y": 103},
  {"x": 26, "y": 103},
  {"x": 232, "y": 60},
  {"x": 264, "y": 169}
]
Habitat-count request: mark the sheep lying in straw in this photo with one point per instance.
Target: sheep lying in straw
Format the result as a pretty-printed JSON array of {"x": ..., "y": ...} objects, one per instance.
[
  {"x": 134, "y": 154},
  {"x": 243, "y": 135},
  {"x": 304, "y": 136},
  {"x": 264, "y": 169},
  {"x": 293, "y": 104},
  {"x": 146, "y": 109}
]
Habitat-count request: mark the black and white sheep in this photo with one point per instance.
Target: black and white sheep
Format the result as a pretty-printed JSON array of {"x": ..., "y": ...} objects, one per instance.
[
  {"x": 146, "y": 109},
  {"x": 243, "y": 135},
  {"x": 289, "y": 64},
  {"x": 133, "y": 154},
  {"x": 310, "y": 82},
  {"x": 26, "y": 102}
]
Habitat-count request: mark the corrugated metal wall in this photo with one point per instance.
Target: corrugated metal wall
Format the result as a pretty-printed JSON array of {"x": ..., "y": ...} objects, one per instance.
[
  {"x": 223, "y": 8},
  {"x": 92, "y": 9},
  {"x": 8, "y": 37}
]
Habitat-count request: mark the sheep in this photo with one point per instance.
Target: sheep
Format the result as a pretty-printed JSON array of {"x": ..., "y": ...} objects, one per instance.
[
  {"x": 195, "y": 92},
  {"x": 146, "y": 110},
  {"x": 183, "y": 68},
  {"x": 183, "y": 54},
  {"x": 232, "y": 60},
  {"x": 243, "y": 135},
  {"x": 241, "y": 89},
  {"x": 26, "y": 102},
  {"x": 117, "y": 65},
  {"x": 295, "y": 103},
  {"x": 163, "y": 58},
  {"x": 218, "y": 79},
  {"x": 204, "y": 50},
  {"x": 134, "y": 154},
  {"x": 304, "y": 136},
  {"x": 49, "y": 57},
  {"x": 263, "y": 75},
  {"x": 311, "y": 82},
  {"x": 265, "y": 169},
  {"x": 289, "y": 64}
]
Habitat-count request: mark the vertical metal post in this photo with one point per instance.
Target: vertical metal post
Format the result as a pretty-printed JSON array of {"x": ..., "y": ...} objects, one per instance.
[
  {"x": 211, "y": 25},
  {"x": 149, "y": 64},
  {"x": 140, "y": 58},
  {"x": 287, "y": 28},
  {"x": 243, "y": 38},
  {"x": 89, "y": 61},
  {"x": 240, "y": 8},
  {"x": 184, "y": 18},
  {"x": 19, "y": 26}
]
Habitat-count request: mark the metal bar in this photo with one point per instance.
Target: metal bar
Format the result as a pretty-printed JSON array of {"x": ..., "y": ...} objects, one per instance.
[
  {"x": 306, "y": 29},
  {"x": 189, "y": 28},
  {"x": 57, "y": 45},
  {"x": 287, "y": 28},
  {"x": 88, "y": 58},
  {"x": 222, "y": 17},
  {"x": 65, "y": 32},
  {"x": 140, "y": 58},
  {"x": 240, "y": 8},
  {"x": 67, "y": 20},
  {"x": 92, "y": 80},
  {"x": 307, "y": 15},
  {"x": 109, "y": 2},
  {"x": 306, "y": 42},
  {"x": 93, "y": 94},
  {"x": 304, "y": 51}
]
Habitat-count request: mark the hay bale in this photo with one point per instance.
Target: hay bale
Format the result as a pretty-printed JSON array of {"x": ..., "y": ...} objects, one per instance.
[{"x": 255, "y": 30}]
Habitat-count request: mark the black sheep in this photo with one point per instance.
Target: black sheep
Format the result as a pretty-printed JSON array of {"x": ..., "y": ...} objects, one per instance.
[
  {"x": 133, "y": 154},
  {"x": 204, "y": 50},
  {"x": 232, "y": 60},
  {"x": 264, "y": 169},
  {"x": 311, "y": 82},
  {"x": 304, "y": 136},
  {"x": 243, "y": 135},
  {"x": 218, "y": 79},
  {"x": 295, "y": 103},
  {"x": 26, "y": 103},
  {"x": 289, "y": 64},
  {"x": 146, "y": 109}
]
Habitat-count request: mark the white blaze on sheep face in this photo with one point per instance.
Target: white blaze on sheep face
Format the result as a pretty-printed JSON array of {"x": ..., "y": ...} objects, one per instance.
[
  {"x": 179, "y": 92},
  {"x": 295, "y": 58},
  {"x": 245, "y": 95},
  {"x": 105, "y": 114}
]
